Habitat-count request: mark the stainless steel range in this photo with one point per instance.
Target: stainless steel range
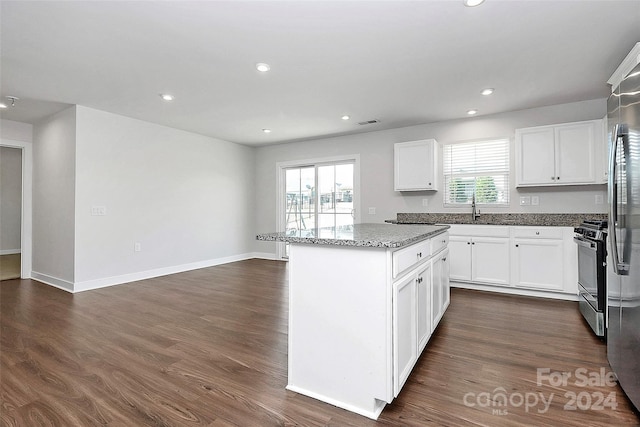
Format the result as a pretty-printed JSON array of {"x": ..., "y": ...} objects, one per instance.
[{"x": 591, "y": 237}]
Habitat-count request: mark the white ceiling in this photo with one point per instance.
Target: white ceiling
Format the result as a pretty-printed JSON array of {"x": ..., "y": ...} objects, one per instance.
[{"x": 402, "y": 62}]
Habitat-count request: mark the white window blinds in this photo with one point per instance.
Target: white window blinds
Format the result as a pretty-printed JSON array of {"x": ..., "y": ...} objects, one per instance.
[{"x": 480, "y": 168}]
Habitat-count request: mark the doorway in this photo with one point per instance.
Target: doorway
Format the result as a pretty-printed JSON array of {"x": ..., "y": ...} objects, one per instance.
[
  {"x": 10, "y": 212},
  {"x": 317, "y": 193},
  {"x": 15, "y": 209}
]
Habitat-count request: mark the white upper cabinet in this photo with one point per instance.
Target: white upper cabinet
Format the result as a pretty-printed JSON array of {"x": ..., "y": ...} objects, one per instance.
[
  {"x": 562, "y": 154},
  {"x": 415, "y": 165}
]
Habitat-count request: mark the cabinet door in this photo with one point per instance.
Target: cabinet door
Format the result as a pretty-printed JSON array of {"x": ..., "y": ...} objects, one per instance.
[
  {"x": 490, "y": 260},
  {"x": 537, "y": 264},
  {"x": 535, "y": 156},
  {"x": 444, "y": 277},
  {"x": 423, "y": 283},
  {"x": 414, "y": 165},
  {"x": 405, "y": 337},
  {"x": 460, "y": 253},
  {"x": 440, "y": 287},
  {"x": 575, "y": 153}
]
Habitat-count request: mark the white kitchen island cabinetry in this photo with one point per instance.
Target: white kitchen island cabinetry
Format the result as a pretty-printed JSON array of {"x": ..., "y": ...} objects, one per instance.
[
  {"x": 440, "y": 296},
  {"x": 563, "y": 154},
  {"x": 360, "y": 309}
]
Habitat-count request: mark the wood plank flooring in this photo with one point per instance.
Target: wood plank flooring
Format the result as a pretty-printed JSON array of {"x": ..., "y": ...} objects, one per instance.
[{"x": 209, "y": 348}]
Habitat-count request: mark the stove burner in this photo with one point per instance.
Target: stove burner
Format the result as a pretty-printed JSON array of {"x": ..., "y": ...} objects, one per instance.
[{"x": 593, "y": 229}]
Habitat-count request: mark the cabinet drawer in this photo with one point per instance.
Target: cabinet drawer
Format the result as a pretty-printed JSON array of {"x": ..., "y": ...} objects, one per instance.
[
  {"x": 406, "y": 258},
  {"x": 538, "y": 232},
  {"x": 439, "y": 242}
]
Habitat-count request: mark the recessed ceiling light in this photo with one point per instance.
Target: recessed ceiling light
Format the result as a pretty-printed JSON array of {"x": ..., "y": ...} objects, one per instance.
[
  {"x": 345, "y": 117},
  {"x": 167, "y": 97},
  {"x": 473, "y": 3},
  {"x": 266, "y": 130},
  {"x": 487, "y": 91},
  {"x": 3, "y": 105},
  {"x": 472, "y": 112},
  {"x": 262, "y": 67}
]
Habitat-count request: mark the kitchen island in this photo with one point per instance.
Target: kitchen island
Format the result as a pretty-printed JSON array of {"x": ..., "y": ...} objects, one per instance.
[{"x": 363, "y": 302}]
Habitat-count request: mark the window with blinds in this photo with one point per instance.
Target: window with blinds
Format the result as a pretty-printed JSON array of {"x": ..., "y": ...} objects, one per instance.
[{"x": 480, "y": 168}]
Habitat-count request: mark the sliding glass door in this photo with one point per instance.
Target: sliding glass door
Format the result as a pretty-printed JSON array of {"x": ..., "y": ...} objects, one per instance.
[{"x": 318, "y": 195}]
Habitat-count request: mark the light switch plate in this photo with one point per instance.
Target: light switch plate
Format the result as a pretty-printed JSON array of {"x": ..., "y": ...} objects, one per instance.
[
  {"x": 425, "y": 202},
  {"x": 599, "y": 199},
  {"x": 535, "y": 200},
  {"x": 525, "y": 200},
  {"x": 372, "y": 211}
]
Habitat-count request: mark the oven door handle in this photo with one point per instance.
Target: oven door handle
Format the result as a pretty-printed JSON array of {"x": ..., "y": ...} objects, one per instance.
[{"x": 584, "y": 243}]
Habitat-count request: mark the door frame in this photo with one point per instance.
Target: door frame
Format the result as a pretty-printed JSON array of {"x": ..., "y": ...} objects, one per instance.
[
  {"x": 280, "y": 173},
  {"x": 26, "y": 221}
]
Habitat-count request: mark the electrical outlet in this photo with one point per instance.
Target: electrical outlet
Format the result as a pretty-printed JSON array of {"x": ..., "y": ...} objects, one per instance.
[
  {"x": 525, "y": 200},
  {"x": 425, "y": 202},
  {"x": 137, "y": 247},
  {"x": 98, "y": 210},
  {"x": 599, "y": 199},
  {"x": 372, "y": 211},
  {"x": 535, "y": 200}
]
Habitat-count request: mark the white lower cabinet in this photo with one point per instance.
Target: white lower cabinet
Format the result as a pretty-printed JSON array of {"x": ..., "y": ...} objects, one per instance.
[
  {"x": 440, "y": 295},
  {"x": 460, "y": 249},
  {"x": 424, "y": 288},
  {"x": 528, "y": 259},
  {"x": 480, "y": 259},
  {"x": 405, "y": 336},
  {"x": 420, "y": 299},
  {"x": 538, "y": 262}
]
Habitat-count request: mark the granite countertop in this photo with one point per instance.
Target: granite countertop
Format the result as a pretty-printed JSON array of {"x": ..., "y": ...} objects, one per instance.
[
  {"x": 362, "y": 235},
  {"x": 532, "y": 219}
]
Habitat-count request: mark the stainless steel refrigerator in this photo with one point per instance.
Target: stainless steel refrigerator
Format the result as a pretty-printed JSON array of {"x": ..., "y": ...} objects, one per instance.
[{"x": 623, "y": 296}]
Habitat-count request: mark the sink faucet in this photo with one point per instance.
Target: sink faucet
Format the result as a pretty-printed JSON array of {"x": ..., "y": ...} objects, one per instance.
[{"x": 475, "y": 213}]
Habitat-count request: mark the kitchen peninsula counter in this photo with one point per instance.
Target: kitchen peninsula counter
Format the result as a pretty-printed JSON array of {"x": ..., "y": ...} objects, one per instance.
[
  {"x": 363, "y": 303},
  {"x": 362, "y": 235}
]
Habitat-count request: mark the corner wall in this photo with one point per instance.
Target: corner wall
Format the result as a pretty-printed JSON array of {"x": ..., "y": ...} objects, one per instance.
[
  {"x": 54, "y": 174},
  {"x": 185, "y": 198}
]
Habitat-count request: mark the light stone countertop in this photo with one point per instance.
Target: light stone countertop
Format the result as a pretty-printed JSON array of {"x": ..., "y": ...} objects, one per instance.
[
  {"x": 521, "y": 219},
  {"x": 361, "y": 235}
]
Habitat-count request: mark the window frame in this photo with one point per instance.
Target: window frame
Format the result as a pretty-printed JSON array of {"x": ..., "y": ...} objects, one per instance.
[{"x": 503, "y": 169}]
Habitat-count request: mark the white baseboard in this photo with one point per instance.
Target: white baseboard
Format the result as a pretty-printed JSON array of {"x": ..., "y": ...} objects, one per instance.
[
  {"x": 9, "y": 251},
  {"x": 149, "y": 274},
  {"x": 52, "y": 281},
  {"x": 265, "y": 255},
  {"x": 366, "y": 412},
  {"x": 515, "y": 291}
]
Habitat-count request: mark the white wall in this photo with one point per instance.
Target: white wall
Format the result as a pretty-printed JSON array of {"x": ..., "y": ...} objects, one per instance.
[
  {"x": 376, "y": 155},
  {"x": 11, "y": 199},
  {"x": 16, "y": 131},
  {"x": 186, "y": 198},
  {"x": 54, "y": 175}
]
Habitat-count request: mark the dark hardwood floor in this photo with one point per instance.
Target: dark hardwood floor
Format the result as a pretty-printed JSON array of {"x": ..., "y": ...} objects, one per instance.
[{"x": 209, "y": 348}]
